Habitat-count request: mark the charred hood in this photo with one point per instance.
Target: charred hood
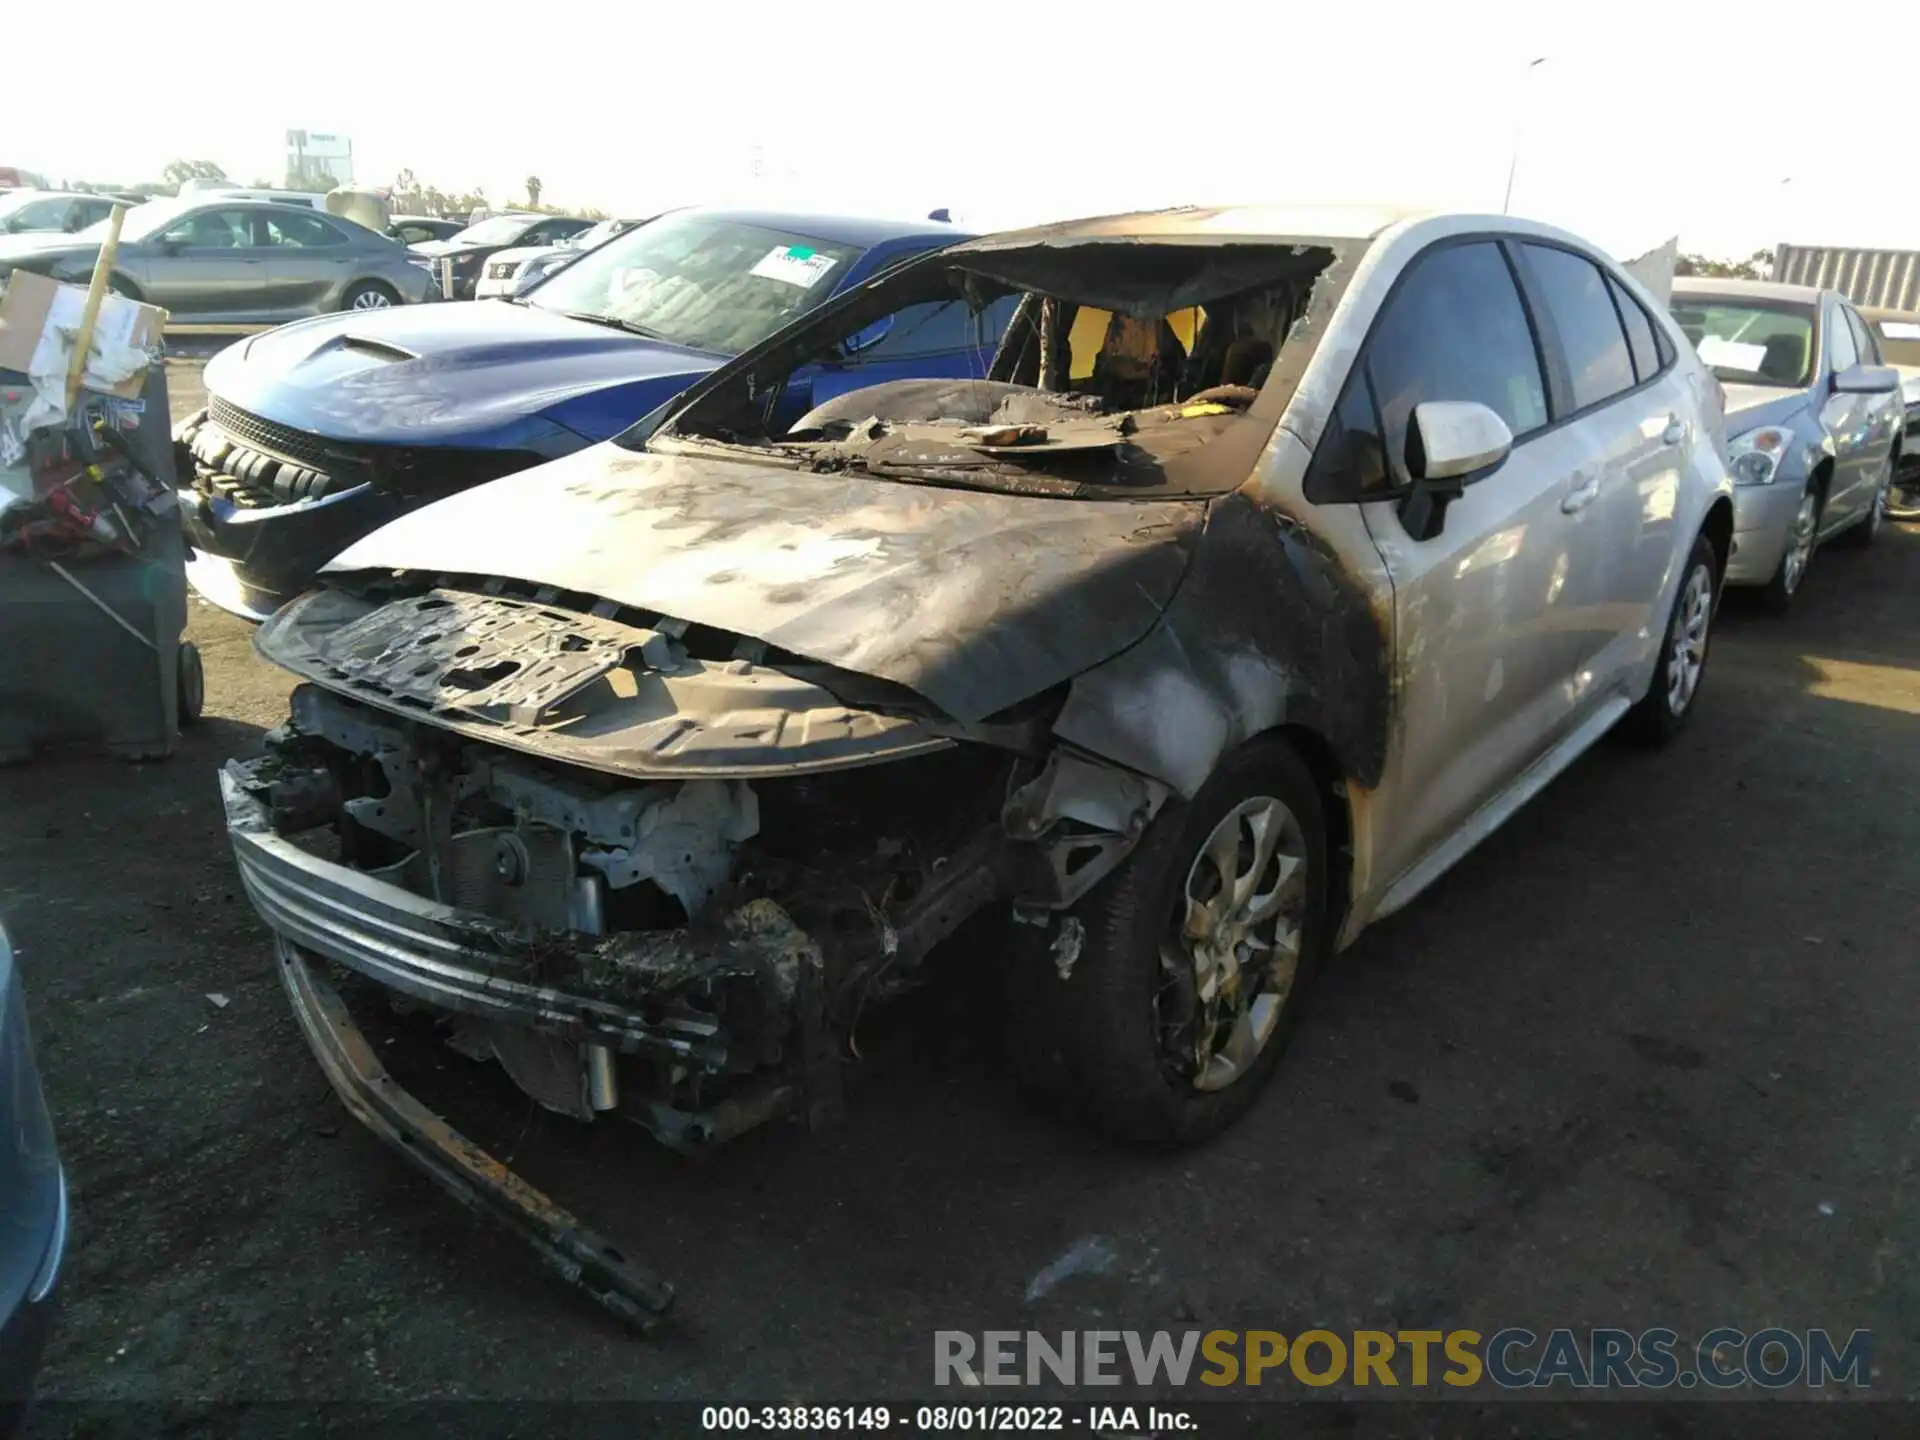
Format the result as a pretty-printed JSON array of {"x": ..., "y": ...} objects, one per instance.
[{"x": 974, "y": 600}]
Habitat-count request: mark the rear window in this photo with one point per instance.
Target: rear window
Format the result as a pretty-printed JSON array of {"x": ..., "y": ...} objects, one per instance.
[
  {"x": 1646, "y": 354},
  {"x": 1899, "y": 340}
]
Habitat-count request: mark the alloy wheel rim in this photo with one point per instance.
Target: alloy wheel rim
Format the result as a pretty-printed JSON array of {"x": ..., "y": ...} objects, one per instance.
[
  {"x": 1800, "y": 547},
  {"x": 370, "y": 300},
  {"x": 1231, "y": 953},
  {"x": 1687, "y": 657}
]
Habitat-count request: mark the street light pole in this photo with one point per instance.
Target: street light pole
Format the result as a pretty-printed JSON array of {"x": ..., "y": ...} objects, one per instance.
[{"x": 1513, "y": 164}]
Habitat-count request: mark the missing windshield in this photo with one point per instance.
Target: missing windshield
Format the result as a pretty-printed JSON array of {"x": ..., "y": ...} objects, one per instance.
[{"x": 1087, "y": 370}]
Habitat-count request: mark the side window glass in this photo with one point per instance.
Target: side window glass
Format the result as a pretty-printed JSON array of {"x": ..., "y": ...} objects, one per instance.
[
  {"x": 1350, "y": 462},
  {"x": 297, "y": 231},
  {"x": 1455, "y": 330},
  {"x": 1841, "y": 350},
  {"x": 1863, "y": 337},
  {"x": 1646, "y": 355},
  {"x": 213, "y": 230},
  {"x": 1575, "y": 293}
]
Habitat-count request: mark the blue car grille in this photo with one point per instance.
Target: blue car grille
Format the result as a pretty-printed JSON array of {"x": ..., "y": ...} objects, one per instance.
[{"x": 312, "y": 452}]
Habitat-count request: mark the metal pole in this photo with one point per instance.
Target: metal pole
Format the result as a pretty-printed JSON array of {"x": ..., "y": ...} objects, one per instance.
[
  {"x": 90, "y": 315},
  {"x": 1513, "y": 164}
]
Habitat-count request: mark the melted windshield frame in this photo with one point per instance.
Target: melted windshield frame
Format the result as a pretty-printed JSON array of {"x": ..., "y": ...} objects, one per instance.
[{"x": 1005, "y": 428}]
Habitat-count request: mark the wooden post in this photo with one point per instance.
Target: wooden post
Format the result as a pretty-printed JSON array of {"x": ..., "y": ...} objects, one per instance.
[{"x": 102, "y": 270}]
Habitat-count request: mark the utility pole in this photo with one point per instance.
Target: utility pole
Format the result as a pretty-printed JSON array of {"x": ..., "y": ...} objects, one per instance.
[{"x": 1513, "y": 164}]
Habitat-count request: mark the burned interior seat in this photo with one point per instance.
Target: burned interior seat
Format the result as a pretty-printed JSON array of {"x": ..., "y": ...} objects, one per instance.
[{"x": 1138, "y": 364}]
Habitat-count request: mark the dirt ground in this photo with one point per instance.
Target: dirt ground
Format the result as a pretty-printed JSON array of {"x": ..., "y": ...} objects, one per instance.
[{"x": 1646, "y": 1058}]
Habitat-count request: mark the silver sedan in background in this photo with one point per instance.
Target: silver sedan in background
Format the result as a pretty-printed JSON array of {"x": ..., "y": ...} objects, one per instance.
[
  {"x": 1814, "y": 421},
  {"x": 230, "y": 261}
]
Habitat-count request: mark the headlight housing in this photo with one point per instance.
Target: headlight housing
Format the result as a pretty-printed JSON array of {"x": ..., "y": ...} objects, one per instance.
[{"x": 1758, "y": 454}]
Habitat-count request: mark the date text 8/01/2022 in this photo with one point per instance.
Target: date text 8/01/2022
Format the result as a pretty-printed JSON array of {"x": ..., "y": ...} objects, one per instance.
[{"x": 928, "y": 1419}]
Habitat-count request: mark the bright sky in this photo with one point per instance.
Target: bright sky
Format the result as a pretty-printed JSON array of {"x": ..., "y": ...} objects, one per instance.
[{"x": 1642, "y": 120}]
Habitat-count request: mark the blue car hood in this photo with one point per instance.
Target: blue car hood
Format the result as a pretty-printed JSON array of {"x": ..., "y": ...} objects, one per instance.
[{"x": 447, "y": 374}]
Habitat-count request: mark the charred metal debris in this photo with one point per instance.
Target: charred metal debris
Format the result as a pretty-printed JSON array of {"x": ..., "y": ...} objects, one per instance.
[{"x": 691, "y": 954}]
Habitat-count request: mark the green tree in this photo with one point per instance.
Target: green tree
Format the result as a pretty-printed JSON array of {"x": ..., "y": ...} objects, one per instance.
[
  {"x": 1757, "y": 266},
  {"x": 533, "y": 192}
]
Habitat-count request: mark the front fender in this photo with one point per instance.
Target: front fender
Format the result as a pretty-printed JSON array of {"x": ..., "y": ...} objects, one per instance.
[{"x": 1268, "y": 628}]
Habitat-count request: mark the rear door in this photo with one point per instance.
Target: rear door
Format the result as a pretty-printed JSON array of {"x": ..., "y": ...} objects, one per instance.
[
  {"x": 1848, "y": 419},
  {"x": 1633, "y": 421},
  {"x": 1483, "y": 657},
  {"x": 308, "y": 259},
  {"x": 1887, "y": 413}
]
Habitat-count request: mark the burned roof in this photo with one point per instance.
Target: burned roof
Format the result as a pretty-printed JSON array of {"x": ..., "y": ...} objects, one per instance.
[{"x": 1203, "y": 225}]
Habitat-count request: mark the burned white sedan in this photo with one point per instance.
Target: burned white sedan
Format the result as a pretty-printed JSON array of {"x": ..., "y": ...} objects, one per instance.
[{"x": 1267, "y": 565}]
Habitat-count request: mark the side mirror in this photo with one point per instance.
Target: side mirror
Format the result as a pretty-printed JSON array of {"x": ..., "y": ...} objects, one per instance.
[
  {"x": 1448, "y": 443},
  {"x": 170, "y": 244},
  {"x": 1866, "y": 380},
  {"x": 866, "y": 339}
]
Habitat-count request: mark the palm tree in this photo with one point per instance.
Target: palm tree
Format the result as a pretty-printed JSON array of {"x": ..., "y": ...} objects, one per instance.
[{"x": 533, "y": 191}]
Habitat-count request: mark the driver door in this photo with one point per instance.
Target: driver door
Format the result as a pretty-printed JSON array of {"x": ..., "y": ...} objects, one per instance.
[
  {"x": 207, "y": 266},
  {"x": 1485, "y": 656}
]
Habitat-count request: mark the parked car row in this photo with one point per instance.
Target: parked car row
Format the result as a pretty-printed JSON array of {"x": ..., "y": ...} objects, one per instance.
[
  {"x": 1815, "y": 421},
  {"x": 520, "y": 267},
  {"x": 1193, "y": 587},
  {"x": 234, "y": 262}
]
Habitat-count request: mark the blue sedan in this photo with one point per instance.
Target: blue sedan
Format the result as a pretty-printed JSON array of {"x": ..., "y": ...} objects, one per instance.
[{"x": 319, "y": 432}]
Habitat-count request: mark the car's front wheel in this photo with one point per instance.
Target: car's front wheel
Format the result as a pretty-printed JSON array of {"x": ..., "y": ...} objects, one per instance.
[
  {"x": 1683, "y": 652},
  {"x": 369, "y": 295},
  {"x": 1778, "y": 594},
  {"x": 1192, "y": 958}
]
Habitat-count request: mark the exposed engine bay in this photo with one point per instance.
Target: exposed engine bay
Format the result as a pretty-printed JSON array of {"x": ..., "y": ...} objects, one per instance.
[{"x": 691, "y": 953}]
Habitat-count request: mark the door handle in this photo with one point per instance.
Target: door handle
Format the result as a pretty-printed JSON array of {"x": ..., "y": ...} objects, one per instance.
[
  {"x": 1581, "y": 496},
  {"x": 1675, "y": 431}
]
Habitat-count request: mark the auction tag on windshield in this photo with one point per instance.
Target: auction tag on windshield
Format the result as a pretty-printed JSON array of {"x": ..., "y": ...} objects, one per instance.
[
  {"x": 800, "y": 265},
  {"x": 1732, "y": 354}
]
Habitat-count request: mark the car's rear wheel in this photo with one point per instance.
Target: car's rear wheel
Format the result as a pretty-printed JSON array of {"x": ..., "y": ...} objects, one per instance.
[
  {"x": 369, "y": 295},
  {"x": 1192, "y": 958},
  {"x": 1801, "y": 542},
  {"x": 1664, "y": 710}
]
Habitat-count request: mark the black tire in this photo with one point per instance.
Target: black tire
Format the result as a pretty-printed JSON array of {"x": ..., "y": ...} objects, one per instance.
[
  {"x": 1903, "y": 497},
  {"x": 1656, "y": 719},
  {"x": 369, "y": 295},
  {"x": 1776, "y": 596},
  {"x": 121, "y": 286},
  {"x": 191, "y": 695},
  {"x": 1094, "y": 1037}
]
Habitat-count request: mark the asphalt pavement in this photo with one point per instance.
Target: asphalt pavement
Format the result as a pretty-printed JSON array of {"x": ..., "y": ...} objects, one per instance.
[{"x": 1645, "y": 1058}]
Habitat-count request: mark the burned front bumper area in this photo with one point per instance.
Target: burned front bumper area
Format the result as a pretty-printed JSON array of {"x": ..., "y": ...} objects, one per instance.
[{"x": 650, "y": 871}]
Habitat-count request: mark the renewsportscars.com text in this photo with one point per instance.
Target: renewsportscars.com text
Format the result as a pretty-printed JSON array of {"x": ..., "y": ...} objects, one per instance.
[{"x": 1771, "y": 1358}]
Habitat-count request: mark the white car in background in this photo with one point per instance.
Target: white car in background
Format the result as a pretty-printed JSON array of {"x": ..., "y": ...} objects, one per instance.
[{"x": 508, "y": 272}]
